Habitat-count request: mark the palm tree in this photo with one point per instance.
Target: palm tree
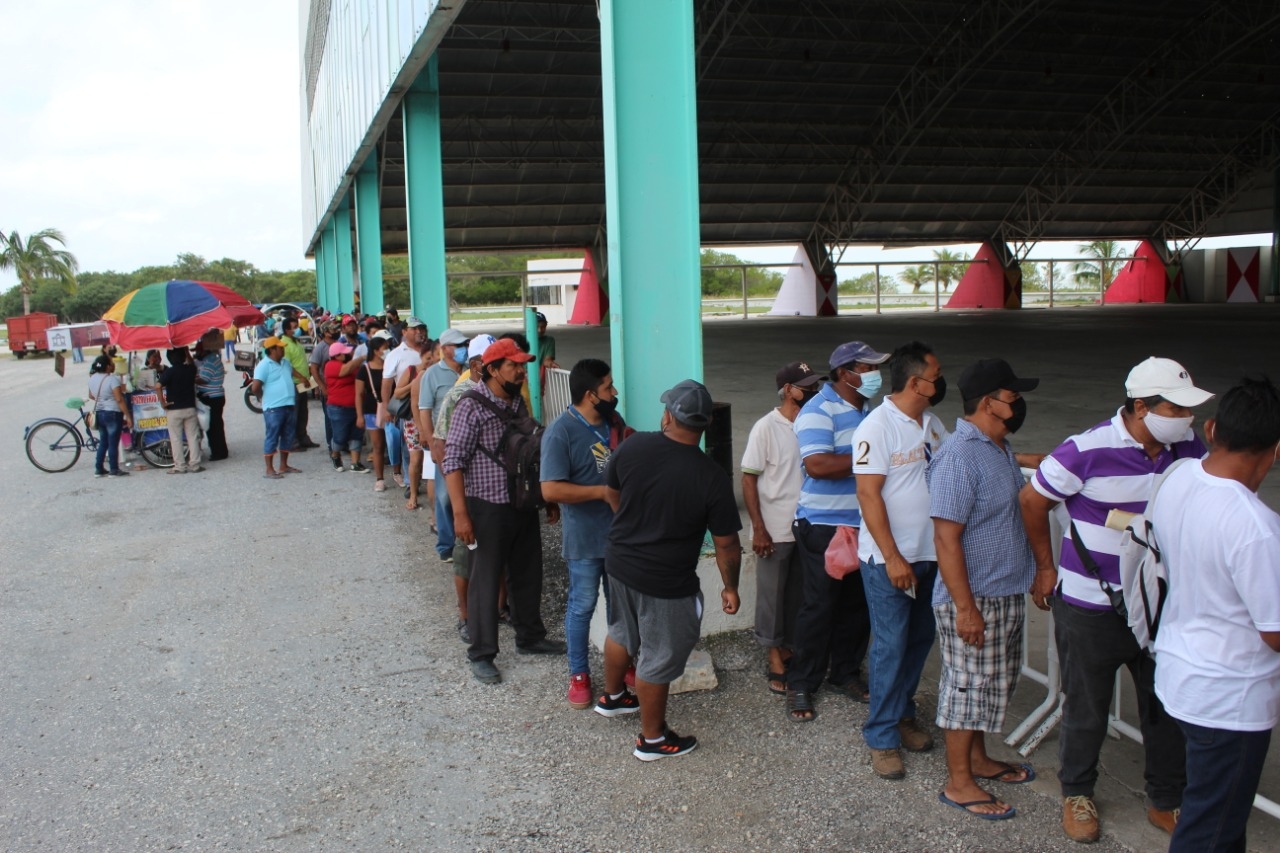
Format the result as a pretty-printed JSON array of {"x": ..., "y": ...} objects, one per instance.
[
  {"x": 1099, "y": 272},
  {"x": 36, "y": 259},
  {"x": 918, "y": 277},
  {"x": 951, "y": 267}
]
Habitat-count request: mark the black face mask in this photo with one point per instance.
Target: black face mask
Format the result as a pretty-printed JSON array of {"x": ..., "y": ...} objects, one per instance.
[
  {"x": 606, "y": 408},
  {"x": 512, "y": 388},
  {"x": 1014, "y": 422},
  {"x": 939, "y": 390}
]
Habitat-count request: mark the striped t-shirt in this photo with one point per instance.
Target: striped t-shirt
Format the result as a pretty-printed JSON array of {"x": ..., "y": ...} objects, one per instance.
[
  {"x": 826, "y": 425},
  {"x": 1093, "y": 473}
]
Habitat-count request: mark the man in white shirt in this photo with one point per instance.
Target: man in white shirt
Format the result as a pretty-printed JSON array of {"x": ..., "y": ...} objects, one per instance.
[
  {"x": 1218, "y": 643},
  {"x": 891, "y": 451},
  {"x": 771, "y": 481},
  {"x": 407, "y": 354}
]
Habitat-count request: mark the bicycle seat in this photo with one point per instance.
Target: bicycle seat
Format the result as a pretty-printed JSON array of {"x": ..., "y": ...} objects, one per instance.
[{"x": 75, "y": 403}]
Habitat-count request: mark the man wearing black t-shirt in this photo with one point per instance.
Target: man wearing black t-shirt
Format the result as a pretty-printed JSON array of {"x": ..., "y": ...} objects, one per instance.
[
  {"x": 666, "y": 493},
  {"x": 178, "y": 396}
]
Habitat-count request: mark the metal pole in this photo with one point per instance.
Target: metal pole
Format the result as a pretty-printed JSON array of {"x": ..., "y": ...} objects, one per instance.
[
  {"x": 937, "y": 298},
  {"x": 877, "y": 288},
  {"x": 743, "y": 271},
  {"x": 1050, "y": 284},
  {"x": 524, "y": 293}
]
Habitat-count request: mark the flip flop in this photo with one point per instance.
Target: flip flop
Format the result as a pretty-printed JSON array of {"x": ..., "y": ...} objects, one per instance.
[
  {"x": 289, "y": 469},
  {"x": 771, "y": 677},
  {"x": 274, "y": 475},
  {"x": 964, "y": 807},
  {"x": 1011, "y": 770}
]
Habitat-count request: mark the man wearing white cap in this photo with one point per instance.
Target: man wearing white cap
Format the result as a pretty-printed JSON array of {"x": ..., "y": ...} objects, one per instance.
[{"x": 1111, "y": 466}]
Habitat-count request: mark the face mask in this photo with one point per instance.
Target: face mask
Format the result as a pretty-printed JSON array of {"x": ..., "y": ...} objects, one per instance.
[
  {"x": 1014, "y": 422},
  {"x": 605, "y": 408},
  {"x": 1168, "y": 430},
  {"x": 870, "y": 386},
  {"x": 512, "y": 388},
  {"x": 460, "y": 355},
  {"x": 939, "y": 391},
  {"x": 807, "y": 394}
]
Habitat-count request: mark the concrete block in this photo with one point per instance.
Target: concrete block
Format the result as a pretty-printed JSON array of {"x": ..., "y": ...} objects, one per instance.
[{"x": 699, "y": 674}]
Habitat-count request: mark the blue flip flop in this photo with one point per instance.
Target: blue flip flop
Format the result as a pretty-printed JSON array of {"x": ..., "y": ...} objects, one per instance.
[
  {"x": 1009, "y": 770},
  {"x": 964, "y": 807}
]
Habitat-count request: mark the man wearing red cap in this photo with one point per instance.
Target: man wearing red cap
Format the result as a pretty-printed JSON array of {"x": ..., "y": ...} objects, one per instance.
[{"x": 484, "y": 516}]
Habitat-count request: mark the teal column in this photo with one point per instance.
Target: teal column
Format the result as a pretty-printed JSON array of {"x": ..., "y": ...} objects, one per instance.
[
  {"x": 345, "y": 279},
  {"x": 331, "y": 266},
  {"x": 651, "y": 198},
  {"x": 424, "y": 200},
  {"x": 369, "y": 237},
  {"x": 322, "y": 274}
]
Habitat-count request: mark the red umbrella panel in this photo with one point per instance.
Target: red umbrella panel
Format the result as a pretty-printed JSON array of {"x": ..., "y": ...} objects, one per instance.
[{"x": 176, "y": 313}]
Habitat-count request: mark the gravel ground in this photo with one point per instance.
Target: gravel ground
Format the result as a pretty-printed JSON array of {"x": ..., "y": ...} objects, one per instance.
[{"x": 218, "y": 662}]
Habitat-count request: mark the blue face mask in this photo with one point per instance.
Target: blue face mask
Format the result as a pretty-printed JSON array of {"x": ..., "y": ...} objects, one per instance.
[
  {"x": 460, "y": 354},
  {"x": 870, "y": 386}
]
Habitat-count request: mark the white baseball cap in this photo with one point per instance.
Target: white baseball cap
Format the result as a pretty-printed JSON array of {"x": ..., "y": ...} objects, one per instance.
[
  {"x": 1164, "y": 377},
  {"x": 478, "y": 345}
]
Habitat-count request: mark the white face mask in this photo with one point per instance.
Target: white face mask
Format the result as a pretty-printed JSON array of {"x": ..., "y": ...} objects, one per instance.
[{"x": 1168, "y": 430}]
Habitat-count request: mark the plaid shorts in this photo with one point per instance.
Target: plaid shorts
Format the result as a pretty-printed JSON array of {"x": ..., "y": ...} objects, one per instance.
[{"x": 975, "y": 685}]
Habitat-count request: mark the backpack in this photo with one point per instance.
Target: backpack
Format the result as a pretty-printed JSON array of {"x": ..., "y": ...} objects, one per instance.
[
  {"x": 519, "y": 453},
  {"x": 1144, "y": 574}
]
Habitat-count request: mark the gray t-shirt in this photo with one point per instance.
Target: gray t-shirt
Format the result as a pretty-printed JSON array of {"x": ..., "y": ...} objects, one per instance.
[
  {"x": 102, "y": 386},
  {"x": 436, "y": 382},
  {"x": 319, "y": 353}
]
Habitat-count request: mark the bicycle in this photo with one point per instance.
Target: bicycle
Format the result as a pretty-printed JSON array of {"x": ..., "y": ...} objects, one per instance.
[{"x": 55, "y": 444}]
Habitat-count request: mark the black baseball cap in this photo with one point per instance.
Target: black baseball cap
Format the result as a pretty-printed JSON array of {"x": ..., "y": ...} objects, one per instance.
[
  {"x": 689, "y": 402},
  {"x": 799, "y": 374},
  {"x": 990, "y": 375}
]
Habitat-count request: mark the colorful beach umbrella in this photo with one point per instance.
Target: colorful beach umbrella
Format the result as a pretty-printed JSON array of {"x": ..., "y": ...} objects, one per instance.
[{"x": 176, "y": 313}]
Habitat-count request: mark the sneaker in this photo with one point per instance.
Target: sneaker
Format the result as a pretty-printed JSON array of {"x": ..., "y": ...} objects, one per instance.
[
  {"x": 98, "y": 475},
  {"x": 446, "y": 558},
  {"x": 914, "y": 737},
  {"x": 630, "y": 678},
  {"x": 358, "y": 468},
  {"x": 117, "y": 473},
  {"x": 1080, "y": 819},
  {"x": 542, "y": 647},
  {"x": 580, "y": 691},
  {"x": 627, "y": 703},
  {"x": 887, "y": 763},
  {"x": 337, "y": 463},
  {"x": 671, "y": 744},
  {"x": 485, "y": 672},
  {"x": 1161, "y": 819}
]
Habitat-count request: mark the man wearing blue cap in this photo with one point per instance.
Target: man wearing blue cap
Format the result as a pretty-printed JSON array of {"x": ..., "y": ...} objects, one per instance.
[{"x": 832, "y": 627}]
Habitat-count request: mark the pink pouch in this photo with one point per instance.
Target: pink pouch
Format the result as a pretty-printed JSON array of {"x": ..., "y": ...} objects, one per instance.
[{"x": 842, "y": 553}]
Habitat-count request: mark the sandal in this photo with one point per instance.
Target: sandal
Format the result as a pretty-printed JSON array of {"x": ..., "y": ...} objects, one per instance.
[
  {"x": 289, "y": 469},
  {"x": 379, "y": 486},
  {"x": 1011, "y": 770},
  {"x": 779, "y": 677},
  {"x": 800, "y": 706},
  {"x": 967, "y": 807}
]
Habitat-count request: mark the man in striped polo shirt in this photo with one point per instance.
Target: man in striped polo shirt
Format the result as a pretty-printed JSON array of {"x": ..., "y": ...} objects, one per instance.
[
  {"x": 833, "y": 619},
  {"x": 1111, "y": 466}
]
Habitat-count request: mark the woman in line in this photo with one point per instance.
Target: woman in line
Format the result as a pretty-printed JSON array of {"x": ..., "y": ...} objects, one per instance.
[
  {"x": 110, "y": 413},
  {"x": 368, "y": 387},
  {"x": 340, "y": 373}
]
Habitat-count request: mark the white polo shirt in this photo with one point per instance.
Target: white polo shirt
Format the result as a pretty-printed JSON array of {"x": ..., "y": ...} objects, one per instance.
[
  {"x": 773, "y": 455},
  {"x": 398, "y": 359},
  {"x": 892, "y": 444},
  {"x": 1222, "y": 547}
]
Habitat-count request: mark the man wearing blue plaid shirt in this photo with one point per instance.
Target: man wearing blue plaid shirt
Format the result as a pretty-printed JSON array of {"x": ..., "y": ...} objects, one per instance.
[{"x": 986, "y": 567}]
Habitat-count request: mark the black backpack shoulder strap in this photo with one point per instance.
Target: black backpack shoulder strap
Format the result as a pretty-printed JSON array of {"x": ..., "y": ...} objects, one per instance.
[{"x": 502, "y": 413}]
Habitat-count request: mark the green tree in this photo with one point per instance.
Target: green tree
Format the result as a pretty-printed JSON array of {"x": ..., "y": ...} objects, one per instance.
[
  {"x": 865, "y": 283},
  {"x": 918, "y": 277},
  {"x": 95, "y": 293},
  {"x": 37, "y": 259},
  {"x": 1098, "y": 272},
  {"x": 951, "y": 267},
  {"x": 722, "y": 281}
]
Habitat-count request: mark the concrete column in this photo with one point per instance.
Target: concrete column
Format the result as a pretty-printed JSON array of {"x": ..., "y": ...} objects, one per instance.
[
  {"x": 424, "y": 200},
  {"x": 826, "y": 298},
  {"x": 345, "y": 278},
  {"x": 332, "y": 294},
  {"x": 369, "y": 237},
  {"x": 651, "y": 199},
  {"x": 322, "y": 281}
]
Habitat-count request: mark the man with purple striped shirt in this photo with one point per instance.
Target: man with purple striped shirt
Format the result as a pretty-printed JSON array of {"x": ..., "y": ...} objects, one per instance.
[{"x": 1111, "y": 466}]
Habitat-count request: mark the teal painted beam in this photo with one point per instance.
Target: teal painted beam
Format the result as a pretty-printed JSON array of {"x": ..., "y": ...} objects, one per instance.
[
  {"x": 369, "y": 237},
  {"x": 651, "y": 198},
  {"x": 322, "y": 274},
  {"x": 345, "y": 278},
  {"x": 331, "y": 265},
  {"x": 424, "y": 200}
]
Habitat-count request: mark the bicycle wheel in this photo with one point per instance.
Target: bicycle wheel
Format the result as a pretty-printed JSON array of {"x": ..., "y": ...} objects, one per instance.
[
  {"x": 53, "y": 445},
  {"x": 157, "y": 452}
]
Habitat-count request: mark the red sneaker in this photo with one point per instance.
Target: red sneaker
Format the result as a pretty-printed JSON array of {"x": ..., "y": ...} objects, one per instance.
[
  {"x": 580, "y": 696},
  {"x": 630, "y": 678}
]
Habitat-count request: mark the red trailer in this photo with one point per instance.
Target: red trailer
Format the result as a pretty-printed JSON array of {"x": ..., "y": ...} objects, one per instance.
[{"x": 26, "y": 333}]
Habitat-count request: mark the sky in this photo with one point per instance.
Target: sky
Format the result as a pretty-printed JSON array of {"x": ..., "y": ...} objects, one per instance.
[{"x": 143, "y": 130}]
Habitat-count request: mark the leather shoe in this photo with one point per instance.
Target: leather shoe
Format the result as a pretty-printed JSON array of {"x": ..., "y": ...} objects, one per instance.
[
  {"x": 1162, "y": 819},
  {"x": 914, "y": 737},
  {"x": 1080, "y": 819},
  {"x": 543, "y": 647},
  {"x": 485, "y": 672}
]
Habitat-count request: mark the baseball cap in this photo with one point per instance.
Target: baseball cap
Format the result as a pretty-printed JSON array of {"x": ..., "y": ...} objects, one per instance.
[
  {"x": 340, "y": 348},
  {"x": 540, "y": 317},
  {"x": 478, "y": 346},
  {"x": 452, "y": 337},
  {"x": 414, "y": 322},
  {"x": 689, "y": 402},
  {"x": 799, "y": 374},
  {"x": 347, "y": 318},
  {"x": 505, "y": 348},
  {"x": 272, "y": 341},
  {"x": 1164, "y": 377},
  {"x": 990, "y": 375},
  {"x": 383, "y": 334},
  {"x": 852, "y": 351}
]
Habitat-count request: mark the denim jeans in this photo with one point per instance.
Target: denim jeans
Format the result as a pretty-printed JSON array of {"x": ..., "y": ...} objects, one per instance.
[
  {"x": 110, "y": 425},
  {"x": 444, "y": 516},
  {"x": 279, "y": 425},
  {"x": 584, "y": 591},
  {"x": 1093, "y": 645},
  {"x": 395, "y": 445},
  {"x": 902, "y": 630},
  {"x": 832, "y": 628},
  {"x": 1223, "y": 769},
  {"x": 340, "y": 423}
]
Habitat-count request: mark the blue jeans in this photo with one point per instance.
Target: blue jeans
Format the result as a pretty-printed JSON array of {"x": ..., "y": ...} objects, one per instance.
[
  {"x": 395, "y": 446},
  {"x": 281, "y": 425},
  {"x": 444, "y": 515},
  {"x": 584, "y": 591},
  {"x": 110, "y": 425},
  {"x": 340, "y": 423},
  {"x": 1223, "y": 768},
  {"x": 902, "y": 630}
]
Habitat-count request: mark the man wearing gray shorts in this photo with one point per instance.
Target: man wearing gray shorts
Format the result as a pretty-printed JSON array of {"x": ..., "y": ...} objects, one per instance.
[{"x": 666, "y": 493}]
